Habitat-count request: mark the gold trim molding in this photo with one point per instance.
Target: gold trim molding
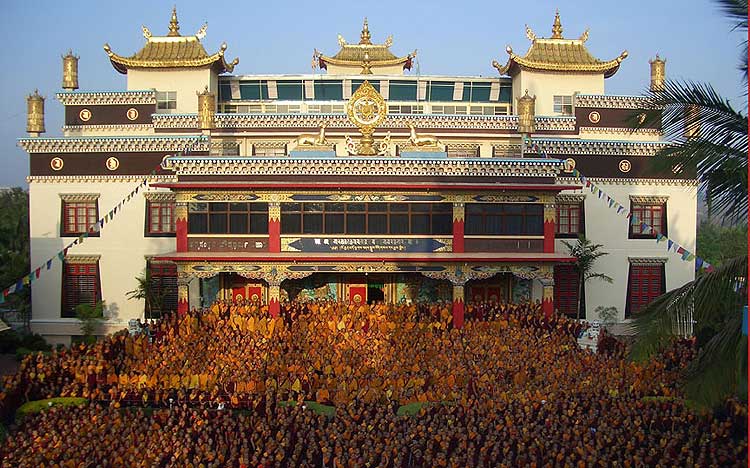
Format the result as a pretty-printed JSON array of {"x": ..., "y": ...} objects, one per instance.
[
  {"x": 649, "y": 199},
  {"x": 647, "y": 260},
  {"x": 107, "y": 98},
  {"x": 78, "y": 197},
  {"x": 82, "y": 259}
]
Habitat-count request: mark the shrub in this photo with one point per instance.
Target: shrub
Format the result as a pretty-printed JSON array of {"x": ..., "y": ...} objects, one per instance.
[{"x": 33, "y": 407}]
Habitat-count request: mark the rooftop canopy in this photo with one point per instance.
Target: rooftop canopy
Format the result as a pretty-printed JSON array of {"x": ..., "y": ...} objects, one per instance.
[
  {"x": 363, "y": 58},
  {"x": 172, "y": 51},
  {"x": 557, "y": 53}
]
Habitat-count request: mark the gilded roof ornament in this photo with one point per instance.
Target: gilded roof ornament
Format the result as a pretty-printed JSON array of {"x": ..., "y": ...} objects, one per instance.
[
  {"x": 585, "y": 36},
  {"x": 174, "y": 25},
  {"x": 557, "y": 28},
  {"x": 365, "y": 55},
  {"x": 202, "y": 31},
  {"x": 558, "y": 54},
  {"x": 530, "y": 33},
  {"x": 172, "y": 51},
  {"x": 364, "y": 36}
]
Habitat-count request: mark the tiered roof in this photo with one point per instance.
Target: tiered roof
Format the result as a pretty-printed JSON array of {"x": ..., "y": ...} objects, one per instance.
[
  {"x": 365, "y": 54},
  {"x": 557, "y": 53},
  {"x": 172, "y": 51}
]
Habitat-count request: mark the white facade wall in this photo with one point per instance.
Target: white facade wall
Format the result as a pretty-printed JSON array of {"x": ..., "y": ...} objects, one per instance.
[
  {"x": 121, "y": 245},
  {"x": 546, "y": 85},
  {"x": 186, "y": 82},
  {"x": 605, "y": 226}
]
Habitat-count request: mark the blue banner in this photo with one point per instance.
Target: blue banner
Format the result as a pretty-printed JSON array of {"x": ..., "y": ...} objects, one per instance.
[{"x": 365, "y": 245}]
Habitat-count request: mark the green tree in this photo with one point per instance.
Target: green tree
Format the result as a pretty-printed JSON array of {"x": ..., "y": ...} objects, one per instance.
[
  {"x": 586, "y": 255},
  {"x": 714, "y": 300},
  {"x": 717, "y": 244},
  {"x": 145, "y": 290},
  {"x": 90, "y": 316},
  {"x": 14, "y": 248}
]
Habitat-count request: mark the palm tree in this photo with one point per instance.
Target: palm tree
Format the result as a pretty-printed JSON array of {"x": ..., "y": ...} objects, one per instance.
[
  {"x": 152, "y": 296},
  {"x": 717, "y": 149},
  {"x": 586, "y": 255}
]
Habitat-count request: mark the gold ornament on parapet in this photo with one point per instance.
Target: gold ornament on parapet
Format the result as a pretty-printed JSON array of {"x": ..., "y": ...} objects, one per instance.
[
  {"x": 422, "y": 142},
  {"x": 314, "y": 141},
  {"x": 366, "y": 109}
]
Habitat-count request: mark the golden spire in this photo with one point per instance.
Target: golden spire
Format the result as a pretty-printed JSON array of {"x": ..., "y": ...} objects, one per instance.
[
  {"x": 364, "y": 37},
  {"x": 557, "y": 27},
  {"x": 174, "y": 25}
]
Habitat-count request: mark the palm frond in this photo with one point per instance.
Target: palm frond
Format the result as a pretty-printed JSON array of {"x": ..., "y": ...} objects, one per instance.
[
  {"x": 714, "y": 297},
  {"x": 736, "y": 11}
]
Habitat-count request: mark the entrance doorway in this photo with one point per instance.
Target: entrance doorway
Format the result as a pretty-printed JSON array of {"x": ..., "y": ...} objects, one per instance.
[{"x": 375, "y": 292}]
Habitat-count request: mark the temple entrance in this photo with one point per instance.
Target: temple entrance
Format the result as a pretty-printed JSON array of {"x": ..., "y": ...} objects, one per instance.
[
  {"x": 499, "y": 288},
  {"x": 239, "y": 288},
  {"x": 375, "y": 292}
]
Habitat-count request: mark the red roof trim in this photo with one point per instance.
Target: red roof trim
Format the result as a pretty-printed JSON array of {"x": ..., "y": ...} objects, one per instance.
[{"x": 245, "y": 186}]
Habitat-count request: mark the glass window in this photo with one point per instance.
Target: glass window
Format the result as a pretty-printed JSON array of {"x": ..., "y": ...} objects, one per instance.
[
  {"x": 79, "y": 217},
  {"x": 160, "y": 218},
  {"x": 563, "y": 105},
  {"x": 166, "y": 100},
  {"x": 647, "y": 220},
  {"x": 81, "y": 285}
]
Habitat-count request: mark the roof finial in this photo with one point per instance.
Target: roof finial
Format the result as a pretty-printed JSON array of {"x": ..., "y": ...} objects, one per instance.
[
  {"x": 364, "y": 38},
  {"x": 174, "y": 25},
  {"x": 557, "y": 27}
]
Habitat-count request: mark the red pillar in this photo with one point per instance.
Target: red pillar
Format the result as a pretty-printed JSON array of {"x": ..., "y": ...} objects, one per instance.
[
  {"x": 548, "y": 297},
  {"x": 458, "y": 306},
  {"x": 458, "y": 227},
  {"x": 549, "y": 228},
  {"x": 181, "y": 226},
  {"x": 274, "y": 228}
]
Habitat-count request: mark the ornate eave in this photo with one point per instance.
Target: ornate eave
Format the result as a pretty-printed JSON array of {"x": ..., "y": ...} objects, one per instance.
[
  {"x": 364, "y": 166},
  {"x": 365, "y": 55},
  {"x": 558, "y": 54},
  {"x": 172, "y": 51},
  {"x": 114, "y": 144},
  {"x": 605, "y": 101},
  {"x": 100, "y": 98},
  {"x": 563, "y": 146}
]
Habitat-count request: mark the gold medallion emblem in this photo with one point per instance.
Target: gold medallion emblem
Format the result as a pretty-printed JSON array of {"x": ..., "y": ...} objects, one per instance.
[
  {"x": 132, "y": 114},
  {"x": 624, "y": 166},
  {"x": 569, "y": 164},
  {"x": 85, "y": 115},
  {"x": 366, "y": 109},
  {"x": 56, "y": 163},
  {"x": 112, "y": 163},
  {"x": 594, "y": 117}
]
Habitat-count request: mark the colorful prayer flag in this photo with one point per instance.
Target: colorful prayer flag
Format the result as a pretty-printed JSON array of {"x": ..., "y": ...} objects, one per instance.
[{"x": 49, "y": 264}]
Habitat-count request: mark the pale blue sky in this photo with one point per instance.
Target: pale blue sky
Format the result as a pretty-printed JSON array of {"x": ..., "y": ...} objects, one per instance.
[{"x": 453, "y": 38}]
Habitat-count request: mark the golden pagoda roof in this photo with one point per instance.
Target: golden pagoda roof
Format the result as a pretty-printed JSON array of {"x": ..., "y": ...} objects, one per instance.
[
  {"x": 557, "y": 53},
  {"x": 172, "y": 51},
  {"x": 365, "y": 54}
]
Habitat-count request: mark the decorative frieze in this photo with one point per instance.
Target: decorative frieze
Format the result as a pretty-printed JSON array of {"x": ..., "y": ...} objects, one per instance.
[
  {"x": 621, "y": 131},
  {"x": 366, "y": 167},
  {"x": 76, "y": 179},
  {"x": 648, "y": 260},
  {"x": 160, "y": 196},
  {"x": 560, "y": 146},
  {"x": 107, "y": 98},
  {"x": 79, "y": 197},
  {"x": 114, "y": 144},
  {"x": 630, "y": 181},
  {"x": 82, "y": 259},
  {"x": 555, "y": 124},
  {"x": 611, "y": 101},
  {"x": 570, "y": 198},
  {"x": 392, "y": 121},
  {"x": 649, "y": 199},
  {"x": 105, "y": 128}
]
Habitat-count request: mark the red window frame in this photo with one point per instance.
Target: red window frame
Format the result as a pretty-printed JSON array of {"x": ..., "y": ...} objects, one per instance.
[
  {"x": 566, "y": 290},
  {"x": 160, "y": 218},
  {"x": 645, "y": 283},
  {"x": 80, "y": 285},
  {"x": 78, "y": 217},
  {"x": 163, "y": 277},
  {"x": 570, "y": 221},
  {"x": 653, "y": 215}
]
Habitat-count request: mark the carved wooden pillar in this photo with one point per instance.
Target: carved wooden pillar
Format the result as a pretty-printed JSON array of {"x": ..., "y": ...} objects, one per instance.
[
  {"x": 458, "y": 305},
  {"x": 181, "y": 225},
  {"x": 274, "y": 227},
  {"x": 274, "y": 298},
  {"x": 458, "y": 227},
  {"x": 548, "y": 298},
  {"x": 550, "y": 214},
  {"x": 183, "y": 305}
]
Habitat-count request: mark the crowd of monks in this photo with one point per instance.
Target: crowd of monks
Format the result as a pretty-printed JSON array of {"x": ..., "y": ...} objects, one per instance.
[{"x": 510, "y": 388}]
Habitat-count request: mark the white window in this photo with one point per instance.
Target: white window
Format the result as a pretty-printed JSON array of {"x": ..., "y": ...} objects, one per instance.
[
  {"x": 166, "y": 100},
  {"x": 563, "y": 105}
]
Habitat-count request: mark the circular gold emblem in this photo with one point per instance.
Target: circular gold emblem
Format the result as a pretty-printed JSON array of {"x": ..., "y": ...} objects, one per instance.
[
  {"x": 569, "y": 164},
  {"x": 238, "y": 297},
  {"x": 85, "y": 115},
  {"x": 357, "y": 298},
  {"x": 624, "y": 165},
  {"x": 112, "y": 163},
  {"x": 366, "y": 111},
  {"x": 132, "y": 113},
  {"x": 56, "y": 163},
  {"x": 255, "y": 297},
  {"x": 594, "y": 117}
]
